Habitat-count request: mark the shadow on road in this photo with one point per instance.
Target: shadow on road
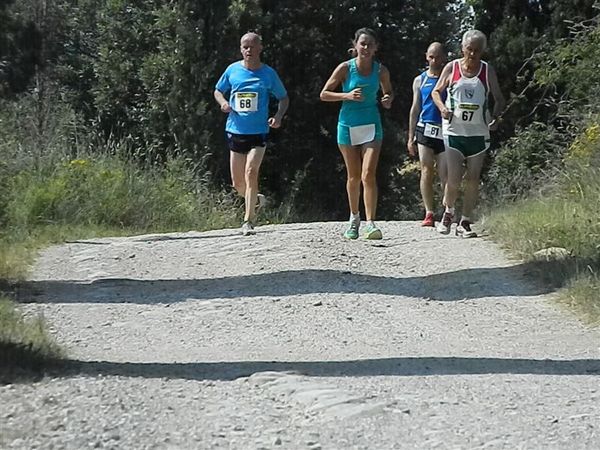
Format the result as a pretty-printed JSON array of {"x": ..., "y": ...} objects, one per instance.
[
  {"x": 408, "y": 366},
  {"x": 447, "y": 286}
]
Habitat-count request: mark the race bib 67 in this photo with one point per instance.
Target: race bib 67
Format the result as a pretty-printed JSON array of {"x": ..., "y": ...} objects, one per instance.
[{"x": 466, "y": 112}]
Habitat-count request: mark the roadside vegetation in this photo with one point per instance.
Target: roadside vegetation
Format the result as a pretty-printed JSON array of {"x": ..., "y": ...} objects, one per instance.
[{"x": 544, "y": 190}]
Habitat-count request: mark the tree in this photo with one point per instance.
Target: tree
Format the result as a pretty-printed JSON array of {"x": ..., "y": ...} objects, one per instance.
[
  {"x": 517, "y": 31},
  {"x": 19, "y": 50}
]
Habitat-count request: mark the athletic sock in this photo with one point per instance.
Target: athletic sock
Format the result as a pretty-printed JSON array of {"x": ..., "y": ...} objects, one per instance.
[
  {"x": 450, "y": 210},
  {"x": 355, "y": 217}
]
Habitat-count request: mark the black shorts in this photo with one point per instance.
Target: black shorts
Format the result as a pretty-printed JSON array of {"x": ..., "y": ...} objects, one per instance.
[
  {"x": 437, "y": 145},
  {"x": 243, "y": 143}
]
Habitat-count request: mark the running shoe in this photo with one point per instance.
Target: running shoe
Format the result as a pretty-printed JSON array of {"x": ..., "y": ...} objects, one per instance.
[
  {"x": 261, "y": 202},
  {"x": 248, "y": 229},
  {"x": 352, "y": 231},
  {"x": 428, "y": 221},
  {"x": 446, "y": 223},
  {"x": 464, "y": 229},
  {"x": 372, "y": 232}
]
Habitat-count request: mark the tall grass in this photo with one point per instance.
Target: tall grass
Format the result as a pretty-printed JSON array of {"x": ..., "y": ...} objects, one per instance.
[
  {"x": 535, "y": 224},
  {"x": 25, "y": 346},
  {"x": 566, "y": 215},
  {"x": 116, "y": 194}
]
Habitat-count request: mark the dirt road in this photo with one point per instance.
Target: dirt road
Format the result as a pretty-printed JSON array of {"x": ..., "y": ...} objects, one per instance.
[{"x": 295, "y": 338}]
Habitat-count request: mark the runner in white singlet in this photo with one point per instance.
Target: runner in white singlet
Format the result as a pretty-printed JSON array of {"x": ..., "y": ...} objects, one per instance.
[{"x": 466, "y": 125}]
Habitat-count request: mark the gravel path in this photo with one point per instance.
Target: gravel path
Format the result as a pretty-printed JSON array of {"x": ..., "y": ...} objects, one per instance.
[{"x": 295, "y": 338}]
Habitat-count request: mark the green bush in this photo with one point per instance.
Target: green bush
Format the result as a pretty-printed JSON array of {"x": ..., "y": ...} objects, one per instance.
[
  {"x": 115, "y": 193},
  {"x": 525, "y": 162}
]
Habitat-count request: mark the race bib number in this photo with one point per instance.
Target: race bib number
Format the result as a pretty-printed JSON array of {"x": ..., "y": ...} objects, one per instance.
[
  {"x": 466, "y": 112},
  {"x": 246, "y": 101},
  {"x": 362, "y": 134},
  {"x": 432, "y": 131}
]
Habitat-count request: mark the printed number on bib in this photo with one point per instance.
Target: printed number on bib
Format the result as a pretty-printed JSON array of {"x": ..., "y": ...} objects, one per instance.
[
  {"x": 466, "y": 112},
  {"x": 432, "y": 131},
  {"x": 246, "y": 101},
  {"x": 467, "y": 116}
]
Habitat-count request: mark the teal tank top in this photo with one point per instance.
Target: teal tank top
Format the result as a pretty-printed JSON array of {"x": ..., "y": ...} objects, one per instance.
[{"x": 360, "y": 113}]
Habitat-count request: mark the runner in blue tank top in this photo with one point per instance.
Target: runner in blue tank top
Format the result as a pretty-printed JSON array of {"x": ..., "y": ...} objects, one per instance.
[
  {"x": 248, "y": 85},
  {"x": 425, "y": 129},
  {"x": 359, "y": 131}
]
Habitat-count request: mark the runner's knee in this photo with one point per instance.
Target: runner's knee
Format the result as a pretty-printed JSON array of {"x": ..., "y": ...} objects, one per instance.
[
  {"x": 251, "y": 172},
  {"x": 368, "y": 176},
  {"x": 353, "y": 179},
  {"x": 472, "y": 175},
  {"x": 452, "y": 184},
  {"x": 427, "y": 170}
]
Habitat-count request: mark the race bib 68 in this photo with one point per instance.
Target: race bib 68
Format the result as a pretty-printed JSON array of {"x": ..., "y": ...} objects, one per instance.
[{"x": 246, "y": 101}]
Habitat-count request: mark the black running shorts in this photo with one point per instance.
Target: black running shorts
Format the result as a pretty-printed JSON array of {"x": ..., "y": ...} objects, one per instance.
[
  {"x": 243, "y": 143},
  {"x": 437, "y": 145}
]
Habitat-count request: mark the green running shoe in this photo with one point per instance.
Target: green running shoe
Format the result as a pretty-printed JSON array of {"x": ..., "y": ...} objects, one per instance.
[
  {"x": 352, "y": 231},
  {"x": 372, "y": 232}
]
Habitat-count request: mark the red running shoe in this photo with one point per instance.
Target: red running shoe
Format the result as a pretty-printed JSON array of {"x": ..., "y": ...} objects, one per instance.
[{"x": 428, "y": 221}]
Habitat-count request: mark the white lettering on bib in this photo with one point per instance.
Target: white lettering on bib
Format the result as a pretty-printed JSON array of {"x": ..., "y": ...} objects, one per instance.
[{"x": 246, "y": 101}]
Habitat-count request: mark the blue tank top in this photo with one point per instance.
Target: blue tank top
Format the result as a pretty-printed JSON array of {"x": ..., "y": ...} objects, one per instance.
[
  {"x": 429, "y": 111},
  {"x": 360, "y": 113}
]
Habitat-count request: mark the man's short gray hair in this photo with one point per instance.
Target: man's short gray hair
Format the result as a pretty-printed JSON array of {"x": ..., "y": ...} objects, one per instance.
[
  {"x": 252, "y": 35},
  {"x": 474, "y": 35}
]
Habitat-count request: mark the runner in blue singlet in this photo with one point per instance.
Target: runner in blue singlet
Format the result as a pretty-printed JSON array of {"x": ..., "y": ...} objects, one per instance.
[
  {"x": 359, "y": 131},
  {"x": 425, "y": 129}
]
